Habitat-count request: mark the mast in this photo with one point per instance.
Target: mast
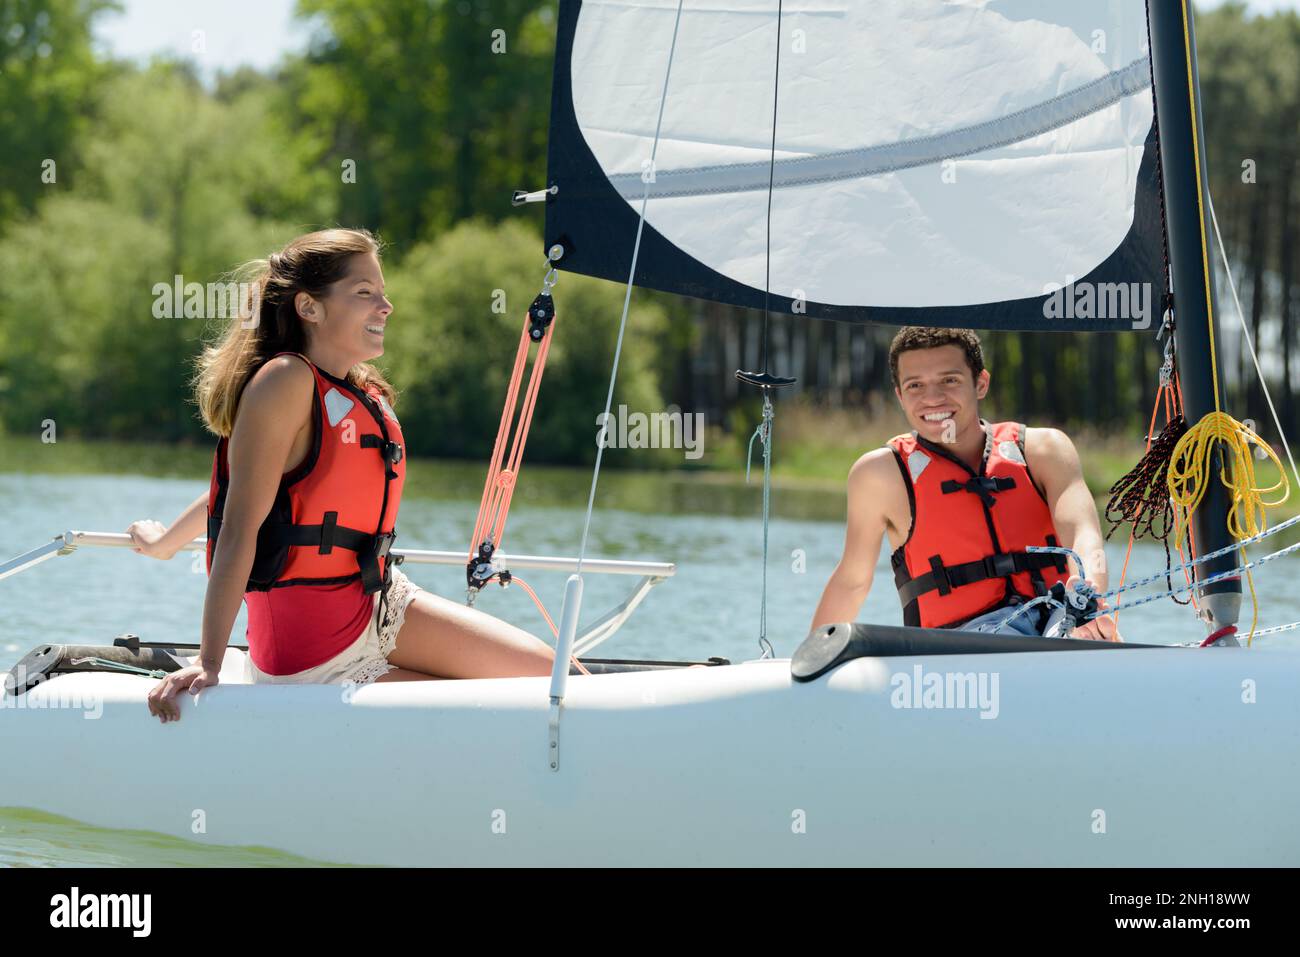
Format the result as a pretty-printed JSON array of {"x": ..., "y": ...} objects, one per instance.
[{"x": 1182, "y": 163}]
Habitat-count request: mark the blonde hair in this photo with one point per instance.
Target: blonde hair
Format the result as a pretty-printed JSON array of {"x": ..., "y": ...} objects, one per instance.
[{"x": 310, "y": 264}]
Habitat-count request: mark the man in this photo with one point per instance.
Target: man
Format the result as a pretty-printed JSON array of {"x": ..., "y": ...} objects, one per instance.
[{"x": 960, "y": 499}]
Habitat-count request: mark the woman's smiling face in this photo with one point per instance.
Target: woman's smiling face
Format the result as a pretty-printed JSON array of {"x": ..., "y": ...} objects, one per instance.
[{"x": 347, "y": 326}]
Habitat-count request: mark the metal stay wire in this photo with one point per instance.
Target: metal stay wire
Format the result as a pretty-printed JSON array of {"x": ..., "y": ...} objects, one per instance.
[
  {"x": 764, "y": 433},
  {"x": 572, "y": 605},
  {"x": 627, "y": 295},
  {"x": 764, "y": 430},
  {"x": 1245, "y": 331}
]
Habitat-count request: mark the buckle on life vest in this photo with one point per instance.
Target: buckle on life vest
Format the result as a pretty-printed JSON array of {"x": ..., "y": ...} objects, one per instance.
[
  {"x": 982, "y": 485},
  {"x": 383, "y": 543},
  {"x": 1001, "y": 565},
  {"x": 392, "y": 453},
  {"x": 368, "y": 561},
  {"x": 390, "y": 450}
]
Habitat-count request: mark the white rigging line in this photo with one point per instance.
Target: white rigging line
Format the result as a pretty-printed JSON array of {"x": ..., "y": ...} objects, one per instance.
[
  {"x": 1241, "y": 317},
  {"x": 572, "y": 606},
  {"x": 627, "y": 295}
]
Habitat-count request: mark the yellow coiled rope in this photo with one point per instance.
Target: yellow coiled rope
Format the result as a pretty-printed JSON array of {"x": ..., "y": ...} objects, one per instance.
[
  {"x": 1190, "y": 465},
  {"x": 1189, "y": 474},
  {"x": 1189, "y": 477}
]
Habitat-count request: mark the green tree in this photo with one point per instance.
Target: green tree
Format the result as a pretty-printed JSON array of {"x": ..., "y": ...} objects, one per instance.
[
  {"x": 451, "y": 343},
  {"x": 442, "y": 107},
  {"x": 48, "y": 75},
  {"x": 168, "y": 186}
]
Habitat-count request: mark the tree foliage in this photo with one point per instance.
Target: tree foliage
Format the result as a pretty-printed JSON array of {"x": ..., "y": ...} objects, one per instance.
[{"x": 416, "y": 119}]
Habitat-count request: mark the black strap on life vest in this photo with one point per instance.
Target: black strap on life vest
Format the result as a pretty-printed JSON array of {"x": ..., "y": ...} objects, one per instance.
[
  {"x": 368, "y": 560},
  {"x": 330, "y": 535},
  {"x": 982, "y": 485},
  {"x": 326, "y": 537},
  {"x": 944, "y": 578}
]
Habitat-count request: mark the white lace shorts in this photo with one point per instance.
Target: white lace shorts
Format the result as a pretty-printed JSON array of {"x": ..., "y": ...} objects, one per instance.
[{"x": 366, "y": 658}]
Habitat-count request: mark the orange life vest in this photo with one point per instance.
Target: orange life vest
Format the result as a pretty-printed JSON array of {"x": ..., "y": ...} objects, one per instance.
[
  {"x": 964, "y": 555},
  {"x": 334, "y": 516}
]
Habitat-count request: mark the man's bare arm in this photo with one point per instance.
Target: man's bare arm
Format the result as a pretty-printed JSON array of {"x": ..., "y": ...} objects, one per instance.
[
  {"x": 1074, "y": 513},
  {"x": 864, "y": 530},
  {"x": 1056, "y": 463}
]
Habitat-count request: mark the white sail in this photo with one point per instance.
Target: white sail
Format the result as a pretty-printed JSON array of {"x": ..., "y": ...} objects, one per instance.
[{"x": 927, "y": 153}]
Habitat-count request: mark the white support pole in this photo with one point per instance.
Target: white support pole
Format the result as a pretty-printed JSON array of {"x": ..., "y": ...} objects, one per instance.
[{"x": 560, "y": 672}]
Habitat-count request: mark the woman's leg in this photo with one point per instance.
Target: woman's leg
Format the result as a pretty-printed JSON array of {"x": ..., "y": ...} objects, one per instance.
[
  {"x": 450, "y": 640},
  {"x": 401, "y": 674}
]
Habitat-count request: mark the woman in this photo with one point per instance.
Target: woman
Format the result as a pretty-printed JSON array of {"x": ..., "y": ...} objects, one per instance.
[{"x": 306, "y": 484}]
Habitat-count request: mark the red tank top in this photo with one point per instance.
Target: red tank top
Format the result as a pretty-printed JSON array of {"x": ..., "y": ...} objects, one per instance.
[{"x": 299, "y": 627}]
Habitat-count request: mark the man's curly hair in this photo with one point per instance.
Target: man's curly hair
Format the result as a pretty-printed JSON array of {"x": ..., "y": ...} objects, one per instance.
[{"x": 929, "y": 337}]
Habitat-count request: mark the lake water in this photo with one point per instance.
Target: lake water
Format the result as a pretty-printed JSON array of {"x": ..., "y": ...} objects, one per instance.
[{"x": 711, "y": 529}]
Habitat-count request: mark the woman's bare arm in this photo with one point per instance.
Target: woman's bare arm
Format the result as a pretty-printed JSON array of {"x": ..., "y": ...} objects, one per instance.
[
  {"x": 151, "y": 538},
  {"x": 272, "y": 410}
]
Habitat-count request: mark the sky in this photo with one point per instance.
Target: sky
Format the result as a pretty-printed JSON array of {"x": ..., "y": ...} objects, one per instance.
[
  {"x": 233, "y": 33},
  {"x": 257, "y": 33}
]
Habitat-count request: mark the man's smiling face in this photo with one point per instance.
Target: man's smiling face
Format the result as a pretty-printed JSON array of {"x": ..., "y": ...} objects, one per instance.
[{"x": 936, "y": 386}]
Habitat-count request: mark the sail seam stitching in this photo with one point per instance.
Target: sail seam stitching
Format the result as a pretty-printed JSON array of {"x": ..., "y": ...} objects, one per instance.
[{"x": 1029, "y": 122}]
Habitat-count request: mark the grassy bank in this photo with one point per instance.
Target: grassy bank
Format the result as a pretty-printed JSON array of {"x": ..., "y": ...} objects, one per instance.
[
  {"x": 813, "y": 451},
  {"x": 817, "y": 446},
  {"x": 813, "y": 443}
]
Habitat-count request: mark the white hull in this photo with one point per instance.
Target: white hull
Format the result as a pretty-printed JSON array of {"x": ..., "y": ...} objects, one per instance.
[{"x": 701, "y": 766}]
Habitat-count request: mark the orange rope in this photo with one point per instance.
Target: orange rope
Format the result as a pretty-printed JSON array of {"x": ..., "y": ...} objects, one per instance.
[
  {"x": 538, "y": 602},
  {"x": 1171, "y": 396},
  {"x": 1188, "y": 574},
  {"x": 498, "y": 489},
  {"x": 1132, "y": 535},
  {"x": 550, "y": 624},
  {"x": 503, "y": 470}
]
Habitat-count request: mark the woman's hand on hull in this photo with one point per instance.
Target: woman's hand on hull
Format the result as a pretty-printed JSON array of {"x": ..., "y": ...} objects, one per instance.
[{"x": 162, "y": 699}]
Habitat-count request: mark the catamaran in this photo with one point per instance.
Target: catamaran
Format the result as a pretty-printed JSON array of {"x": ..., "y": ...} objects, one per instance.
[{"x": 995, "y": 165}]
